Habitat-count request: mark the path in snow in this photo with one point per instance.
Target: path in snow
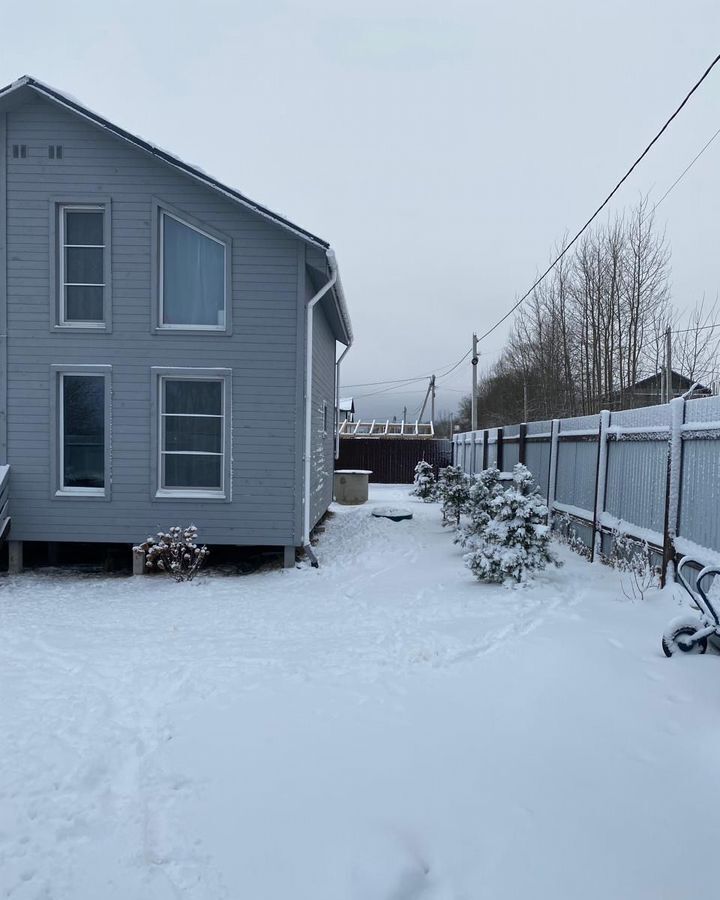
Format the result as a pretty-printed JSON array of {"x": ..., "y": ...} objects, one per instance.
[{"x": 346, "y": 732}]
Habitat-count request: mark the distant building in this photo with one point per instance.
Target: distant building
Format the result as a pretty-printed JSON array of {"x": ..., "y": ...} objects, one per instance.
[
  {"x": 649, "y": 391},
  {"x": 346, "y": 410}
]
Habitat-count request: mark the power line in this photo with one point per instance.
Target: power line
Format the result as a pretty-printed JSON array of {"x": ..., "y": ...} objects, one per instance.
[
  {"x": 412, "y": 378},
  {"x": 605, "y": 201},
  {"x": 686, "y": 169}
]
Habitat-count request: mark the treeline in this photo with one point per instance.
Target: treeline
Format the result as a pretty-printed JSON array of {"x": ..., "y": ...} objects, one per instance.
[{"x": 594, "y": 328}]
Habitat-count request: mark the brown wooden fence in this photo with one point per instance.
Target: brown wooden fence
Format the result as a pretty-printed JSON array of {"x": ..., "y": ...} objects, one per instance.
[{"x": 392, "y": 460}]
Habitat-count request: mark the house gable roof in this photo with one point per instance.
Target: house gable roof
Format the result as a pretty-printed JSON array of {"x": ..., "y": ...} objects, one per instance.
[
  {"x": 27, "y": 82},
  {"x": 75, "y": 106}
]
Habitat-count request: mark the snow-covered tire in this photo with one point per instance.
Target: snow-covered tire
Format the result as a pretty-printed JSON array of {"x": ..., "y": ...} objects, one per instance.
[{"x": 683, "y": 627}]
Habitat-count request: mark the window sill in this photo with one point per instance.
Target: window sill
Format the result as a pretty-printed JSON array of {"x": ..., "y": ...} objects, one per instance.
[
  {"x": 192, "y": 329},
  {"x": 82, "y": 493},
  {"x": 164, "y": 494},
  {"x": 81, "y": 326}
]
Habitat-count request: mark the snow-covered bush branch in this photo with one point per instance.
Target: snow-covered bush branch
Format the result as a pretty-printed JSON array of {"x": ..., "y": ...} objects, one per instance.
[
  {"x": 174, "y": 552},
  {"x": 633, "y": 559}
]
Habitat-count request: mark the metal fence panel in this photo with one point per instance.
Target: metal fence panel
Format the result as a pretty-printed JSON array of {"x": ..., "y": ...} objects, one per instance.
[
  {"x": 646, "y": 416},
  {"x": 492, "y": 447},
  {"x": 703, "y": 410},
  {"x": 392, "y": 460},
  {"x": 700, "y": 492},
  {"x": 511, "y": 456},
  {"x": 537, "y": 459},
  {"x": 580, "y": 423},
  {"x": 636, "y": 482},
  {"x": 542, "y": 427},
  {"x": 576, "y": 472}
]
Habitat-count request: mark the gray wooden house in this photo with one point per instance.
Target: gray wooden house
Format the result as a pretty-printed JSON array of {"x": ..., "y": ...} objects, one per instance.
[{"x": 168, "y": 347}]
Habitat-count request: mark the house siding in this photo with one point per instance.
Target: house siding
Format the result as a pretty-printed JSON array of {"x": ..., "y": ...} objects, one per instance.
[
  {"x": 262, "y": 350},
  {"x": 322, "y": 461}
]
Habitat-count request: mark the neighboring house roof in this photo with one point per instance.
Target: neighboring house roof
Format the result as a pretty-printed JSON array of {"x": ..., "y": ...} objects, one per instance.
[
  {"x": 346, "y": 404},
  {"x": 677, "y": 379},
  {"x": 50, "y": 93}
]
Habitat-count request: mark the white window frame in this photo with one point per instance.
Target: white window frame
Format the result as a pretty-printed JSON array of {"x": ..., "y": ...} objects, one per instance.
[
  {"x": 63, "y": 208},
  {"x": 68, "y": 491},
  {"x": 187, "y": 492},
  {"x": 162, "y": 326}
]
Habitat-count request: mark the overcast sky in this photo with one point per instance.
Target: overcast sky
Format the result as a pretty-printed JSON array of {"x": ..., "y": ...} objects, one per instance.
[{"x": 441, "y": 148}]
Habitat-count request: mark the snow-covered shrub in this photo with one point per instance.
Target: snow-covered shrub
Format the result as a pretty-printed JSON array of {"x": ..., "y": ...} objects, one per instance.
[
  {"x": 483, "y": 491},
  {"x": 516, "y": 540},
  {"x": 424, "y": 484},
  {"x": 633, "y": 559},
  {"x": 453, "y": 490},
  {"x": 175, "y": 552},
  {"x": 567, "y": 533}
]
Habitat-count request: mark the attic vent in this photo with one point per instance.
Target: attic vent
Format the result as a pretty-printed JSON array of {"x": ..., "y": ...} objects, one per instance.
[
  {"x": 55, "y": 151},
  {"x": 19, "y": 151}
]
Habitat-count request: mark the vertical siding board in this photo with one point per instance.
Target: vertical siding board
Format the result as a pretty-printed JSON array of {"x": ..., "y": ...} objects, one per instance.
[
  {"x": 4, "y": 340},
  {"x": 322, "y": 462},
  {"x": 262, "y": 350}
]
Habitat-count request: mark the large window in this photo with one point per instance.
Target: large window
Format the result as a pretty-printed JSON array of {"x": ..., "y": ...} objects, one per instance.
[
  {"x": 82, "y": 433},
  {"x": 82, "y": 265},
  {"x": 192, "y": 434},
  {"x": 193, "y": 276}
]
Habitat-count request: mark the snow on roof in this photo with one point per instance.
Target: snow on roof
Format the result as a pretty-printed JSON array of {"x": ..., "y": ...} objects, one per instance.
[{"x": 346, "y": 404}]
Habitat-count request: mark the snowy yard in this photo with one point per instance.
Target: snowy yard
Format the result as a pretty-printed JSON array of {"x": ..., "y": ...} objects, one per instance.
[{"x": 383, "y": 728}]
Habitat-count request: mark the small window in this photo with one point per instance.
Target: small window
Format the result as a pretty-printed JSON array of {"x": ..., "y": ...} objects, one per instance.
[
  {"x": 82, "y": 265},
  {"x": 192, "y": 435},
  {"x": 192, "y": 276},
  {"x": 82, "y": 433}
]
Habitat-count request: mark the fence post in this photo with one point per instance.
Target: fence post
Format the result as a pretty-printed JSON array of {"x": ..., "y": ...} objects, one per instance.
[
  {"x": 552, "y": 476},
  {"x": 672, "y": 486},
  {"x": 499, "y": 446},
  {"x": 485, "y": 449},
  {"x": 521, "y": 443},
  {"x": 600, "y": 482}
]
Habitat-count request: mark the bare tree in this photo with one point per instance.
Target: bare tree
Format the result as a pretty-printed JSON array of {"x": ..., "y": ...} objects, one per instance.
[{"x": 695, "y": 346}]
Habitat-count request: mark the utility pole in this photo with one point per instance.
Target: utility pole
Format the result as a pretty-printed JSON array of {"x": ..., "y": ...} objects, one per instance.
[
  {"x": 430, "y": 390},
  {"x": 432, "y": 399},
  {"x": 668, "y": 365},
  {"x": 525, "y": 404},
  {"x": 404, "y": 413},
  {"x": 473, "y": 402}
]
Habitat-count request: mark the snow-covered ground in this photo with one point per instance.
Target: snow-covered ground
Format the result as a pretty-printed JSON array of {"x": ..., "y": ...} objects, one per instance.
[{"x": 383, "y": 728}]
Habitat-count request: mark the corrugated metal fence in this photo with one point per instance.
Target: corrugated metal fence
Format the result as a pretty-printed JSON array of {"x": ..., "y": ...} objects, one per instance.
[
  {"x": 652, "y": 473},
  {"x": 392, "y": 460}
]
